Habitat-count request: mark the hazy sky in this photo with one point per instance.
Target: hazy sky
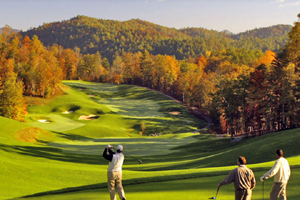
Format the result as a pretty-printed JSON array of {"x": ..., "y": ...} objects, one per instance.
[{"x": 233, "y": 15}]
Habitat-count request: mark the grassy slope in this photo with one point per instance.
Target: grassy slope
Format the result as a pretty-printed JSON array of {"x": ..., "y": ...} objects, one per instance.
[
  {"x": 188, "y": 189},
  {"x": 201, "y": 187},
  {"x": 32, "y": 167},
  {"x": 38, "y": 167}
]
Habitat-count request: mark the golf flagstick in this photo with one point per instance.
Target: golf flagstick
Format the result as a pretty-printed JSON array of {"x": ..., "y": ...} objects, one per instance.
[{"x": 126, "y": 154}]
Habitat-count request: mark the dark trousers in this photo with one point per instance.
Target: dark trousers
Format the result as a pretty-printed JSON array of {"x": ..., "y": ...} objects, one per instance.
[{"x": 243, "y": 194}]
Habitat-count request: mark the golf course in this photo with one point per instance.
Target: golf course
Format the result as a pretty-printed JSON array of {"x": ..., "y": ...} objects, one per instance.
[{"x": 57, "y": 152}]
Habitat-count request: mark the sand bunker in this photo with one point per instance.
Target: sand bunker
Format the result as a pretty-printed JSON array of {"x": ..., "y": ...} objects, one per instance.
[
  {"x": 44, "y": 121},
  {"x": 175, "y": 113},
  {"x": 88, "y": 117},
  {"x": 67, "y": 112}
]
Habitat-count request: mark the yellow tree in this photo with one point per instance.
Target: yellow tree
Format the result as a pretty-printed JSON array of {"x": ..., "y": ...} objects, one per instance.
[
  {"x": 172, "y": 70},
  {"x": 189, "y": 77},
  {"x": 12, "y": 103},
  {"x": 117, "y": 70},
  {"x": 69, "y": 63},
  {"x": 160, "y": 71},
  {"x": 131, "y": 66},
  {"x": 267, "y": 59}
]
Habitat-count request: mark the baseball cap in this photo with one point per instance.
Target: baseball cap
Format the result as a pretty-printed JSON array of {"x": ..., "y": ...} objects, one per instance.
[{"x": 120, "y": 147}]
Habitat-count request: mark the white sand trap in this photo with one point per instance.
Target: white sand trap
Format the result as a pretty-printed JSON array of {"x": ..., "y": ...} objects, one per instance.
[
  {"x": 58, "y": 123},
  {"x": 43, "y": 121},
  {"x": 87, "y": 117},
  {"x": 67, "y": 112},
  {"x": 175, "y": 113},
  {"x": 92, "y": 95}
]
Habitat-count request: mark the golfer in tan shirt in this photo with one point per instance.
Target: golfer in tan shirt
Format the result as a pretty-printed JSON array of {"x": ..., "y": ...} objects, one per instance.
[{"x": 243, "y": 179}]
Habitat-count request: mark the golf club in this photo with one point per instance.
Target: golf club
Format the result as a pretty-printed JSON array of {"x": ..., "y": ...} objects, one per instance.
[
  {"x": 140, "y": 161},
  {"x": 263, "y": 189},
  {"x": 216, "y": 194}
]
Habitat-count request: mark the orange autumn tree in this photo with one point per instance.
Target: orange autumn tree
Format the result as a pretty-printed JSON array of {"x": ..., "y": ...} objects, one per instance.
[
  {"x": 38, "y": 68},
  {"x": 70, "y": 64},
  {"x": 267, "y": 59},
  {"x": 12, "y": 102}
]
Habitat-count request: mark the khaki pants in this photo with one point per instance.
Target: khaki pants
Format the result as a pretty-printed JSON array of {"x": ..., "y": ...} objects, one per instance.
[
  {"x": 114, "y": 180},
  {"x": 243, "y": 194},
  {"x": 278, "y": 190}
]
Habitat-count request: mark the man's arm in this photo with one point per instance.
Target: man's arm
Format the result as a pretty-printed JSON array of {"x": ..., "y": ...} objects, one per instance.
[
  {"x": 228, "y": 179},
  {"x": 272, "y": 171},
  {"x": 108, "y": 154},
  {"x": 253, "y": 181}
]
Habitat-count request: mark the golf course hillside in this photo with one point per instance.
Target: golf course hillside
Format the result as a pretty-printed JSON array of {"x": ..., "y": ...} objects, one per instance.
[{"x": 57, "y": 152}]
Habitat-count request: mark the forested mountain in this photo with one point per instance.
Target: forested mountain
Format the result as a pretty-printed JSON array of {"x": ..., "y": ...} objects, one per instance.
[
  {"x": 109, "y": 36},
  {"x": 262, "y": 33},
  {"x": 14, "y": 30},
  {"x": 244, "y": 87}
]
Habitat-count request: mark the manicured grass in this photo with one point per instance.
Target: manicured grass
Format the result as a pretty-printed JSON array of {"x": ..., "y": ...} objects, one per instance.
[
  {"x": 138, "y": 147},
  {"x": 65, "y": 155},
  {"x": 188, "y": 189}
]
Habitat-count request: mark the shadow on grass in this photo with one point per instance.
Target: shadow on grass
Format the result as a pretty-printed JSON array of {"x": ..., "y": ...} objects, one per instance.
[
  {"x": 223, "y": 153},
  {"x": 54, "y": 154},
  {"x": 136, "y": 181},
  {"x": 71, "y": 136},
  {"x": 209, "y": 182}
]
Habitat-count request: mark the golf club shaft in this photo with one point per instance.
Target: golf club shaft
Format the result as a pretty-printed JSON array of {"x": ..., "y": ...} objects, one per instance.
[
  {"x": 263, "y": 190},
  {"x": 217, "y": 192},
  {"x": 126, "y": 154}
]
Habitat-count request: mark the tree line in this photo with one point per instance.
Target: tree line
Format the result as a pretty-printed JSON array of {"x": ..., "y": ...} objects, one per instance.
[
  {"x": 109, "y": 36},
  {"x": 243, "y": 91}
]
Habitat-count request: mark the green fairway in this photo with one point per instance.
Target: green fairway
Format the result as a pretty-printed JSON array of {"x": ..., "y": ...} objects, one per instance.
[
  {"x": 136, "y": 146},
  {"x": 63, "y": 152},
  {"x": 188, "y": 189}
]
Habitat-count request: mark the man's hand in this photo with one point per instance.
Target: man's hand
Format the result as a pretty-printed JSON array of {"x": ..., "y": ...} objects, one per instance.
[
  {"x": 262, "y": 178},
  {"x": 109, "y": 147}
]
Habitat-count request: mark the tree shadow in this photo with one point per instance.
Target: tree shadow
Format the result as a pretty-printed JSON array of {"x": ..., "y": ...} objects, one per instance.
[
  {"x": 54, "y": 153},
  {"x": 70, "y": 136}
]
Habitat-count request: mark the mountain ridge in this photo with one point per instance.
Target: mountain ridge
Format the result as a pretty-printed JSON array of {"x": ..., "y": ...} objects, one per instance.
[{"x": 109, "y": 36}]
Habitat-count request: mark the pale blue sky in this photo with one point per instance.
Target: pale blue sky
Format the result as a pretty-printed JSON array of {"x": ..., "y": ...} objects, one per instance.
[{"x": 234, "y": 15}]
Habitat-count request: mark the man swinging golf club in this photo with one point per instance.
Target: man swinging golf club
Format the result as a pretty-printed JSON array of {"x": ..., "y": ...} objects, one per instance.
[
  {"x": 281, "y": 172},
  {"x": 243, "y": 178},
  {"x": 114, "y": 172}
]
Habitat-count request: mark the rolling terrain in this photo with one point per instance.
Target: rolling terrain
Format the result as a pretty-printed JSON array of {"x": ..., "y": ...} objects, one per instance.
[{"x": 57, "y": 153}]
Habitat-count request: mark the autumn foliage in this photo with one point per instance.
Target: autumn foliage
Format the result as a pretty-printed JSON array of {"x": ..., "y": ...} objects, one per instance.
[{"x": 243, "y": 91}]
